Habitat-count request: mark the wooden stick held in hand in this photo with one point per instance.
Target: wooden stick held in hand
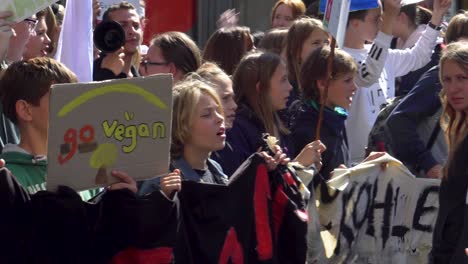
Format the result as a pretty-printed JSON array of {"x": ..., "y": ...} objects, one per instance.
[{"x": 324, "y": 95}]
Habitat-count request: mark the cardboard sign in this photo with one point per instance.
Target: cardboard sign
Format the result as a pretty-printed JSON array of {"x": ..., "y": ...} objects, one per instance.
[
  {"x": 335, "y": 19},
  {"x": 97, "y": 127},
  {"x": 23, "y": 8},
  {"x": 378, "y": 216}
]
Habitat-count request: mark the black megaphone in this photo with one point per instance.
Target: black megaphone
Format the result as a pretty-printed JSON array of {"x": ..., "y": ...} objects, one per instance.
[{"x": 109, "y": 36}]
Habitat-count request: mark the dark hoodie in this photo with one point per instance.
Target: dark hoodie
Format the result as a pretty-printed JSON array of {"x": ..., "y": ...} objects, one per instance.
[
  {"x": 245, "y": 137},
  {"x": 332, "y": 134}
]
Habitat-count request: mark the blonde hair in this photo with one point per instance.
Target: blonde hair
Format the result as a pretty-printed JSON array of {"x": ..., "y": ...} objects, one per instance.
[
  {"x": 186, "y": 96},
  {"x": 454, "y": 123},
  {"x": 298, "y": 33},
  {"x": 297, "y": 6},
  {"x": 211, "y": 73}
]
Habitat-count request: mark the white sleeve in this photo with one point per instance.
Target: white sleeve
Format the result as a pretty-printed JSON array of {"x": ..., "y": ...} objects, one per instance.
[
  {"x": 369, "y": 71},
  {"x": 408, "y": 60}
]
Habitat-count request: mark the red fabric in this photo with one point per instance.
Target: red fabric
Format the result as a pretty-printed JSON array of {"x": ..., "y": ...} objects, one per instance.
[
  {"x": 289, "y": 179},
  {"x": 279, "y": 205},
  {"x": 163, "y": 16},
  {"x": 161, "y": 255},
  {"x": 232, "y": 249},
  {"x": 261, "y": 196}
]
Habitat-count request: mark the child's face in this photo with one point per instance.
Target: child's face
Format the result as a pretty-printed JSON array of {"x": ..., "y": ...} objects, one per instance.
[
  {"x": 226, "y": 94},
  {"x": 207, "y": 130},
  {"x": 341, "y": 91},
  {"x": 283, "y": 16},
  {"x": 316, "y": 39},
  {"x": 280, "y": 88},
  {"x": 370, "y": 26},
  {"x": 455, "y": 83}
]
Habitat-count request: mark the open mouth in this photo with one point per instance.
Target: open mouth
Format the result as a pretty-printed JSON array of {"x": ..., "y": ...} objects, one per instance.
[{"x": 221, "y": 132}]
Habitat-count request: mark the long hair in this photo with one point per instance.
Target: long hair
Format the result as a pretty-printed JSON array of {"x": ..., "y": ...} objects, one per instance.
[
  {"x": 457, "y": 27},
  {"x": 251, "y": 83},
  {"x": 274, "y": 40},
  {"x": 297, "y": 6},
  {"x": 227, "y": 46},
  {"x": 298, "y": 33},
  {"x": 454, "y": 123}
]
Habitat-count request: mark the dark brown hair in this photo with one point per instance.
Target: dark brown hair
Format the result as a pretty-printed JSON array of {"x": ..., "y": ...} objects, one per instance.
[
  {"x": 227, "y": 46},
  {"x": 315, "y": 69},
  {"x": 298, "y": 33},
  {"x": 274, "y": 40},
  {"x": 251, "y": 84},
  {"x": 122, "y": 5},
  {"x": 30, "y": 80},
  {"x": 178, "y": 48},
  {"x": 457, "y": 28}
]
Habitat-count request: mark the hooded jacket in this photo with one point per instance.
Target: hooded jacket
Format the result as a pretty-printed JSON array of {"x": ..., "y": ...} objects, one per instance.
[
  {"x": 30, "y": 171},
  {"x": 245, "y": 137},
  {"x": 332, "y": 134}
]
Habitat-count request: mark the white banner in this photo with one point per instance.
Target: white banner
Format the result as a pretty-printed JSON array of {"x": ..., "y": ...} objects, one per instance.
[{"x": 379, "y": 216}]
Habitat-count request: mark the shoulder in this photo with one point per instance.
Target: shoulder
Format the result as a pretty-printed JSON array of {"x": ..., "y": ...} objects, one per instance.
[{"x": 217, "y": 170}]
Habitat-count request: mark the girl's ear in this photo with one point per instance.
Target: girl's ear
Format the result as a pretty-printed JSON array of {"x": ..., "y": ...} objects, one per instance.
[{"x": 257, "y": 87}]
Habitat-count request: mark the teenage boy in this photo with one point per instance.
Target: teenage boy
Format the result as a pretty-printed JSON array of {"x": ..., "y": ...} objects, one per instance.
[
  {"x": 120, "y": 64},
  {"x": 363, "y": 26},
  {"x": 25, "y": 88}
]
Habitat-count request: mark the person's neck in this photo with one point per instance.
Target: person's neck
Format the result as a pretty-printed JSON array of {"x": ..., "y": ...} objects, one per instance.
[
  {"x": 352, "y": 41},
  {"x": 14, "y": 55},
  {"x": 33, "y": 142},
  {"x": 195, "y": 158},
  {"x": 128, "y": 59},
  {"x": 406, "y": 33}
]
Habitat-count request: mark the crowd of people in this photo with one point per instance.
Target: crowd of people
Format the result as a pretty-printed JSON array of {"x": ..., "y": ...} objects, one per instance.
[{"x": 239, "y": 86}]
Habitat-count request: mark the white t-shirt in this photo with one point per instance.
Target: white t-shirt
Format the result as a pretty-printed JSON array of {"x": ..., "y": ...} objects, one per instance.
[{"x": 368, "y": 99}]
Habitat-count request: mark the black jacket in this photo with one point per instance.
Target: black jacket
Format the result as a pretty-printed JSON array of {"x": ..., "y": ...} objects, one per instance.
[
  {"x": 333, "y": 135},
  {"x": 245, "y": 137},
  {"x": 413, "y": 121},
  {"x": 102, "y": 74},
  {"x": 450, "y": 236}
]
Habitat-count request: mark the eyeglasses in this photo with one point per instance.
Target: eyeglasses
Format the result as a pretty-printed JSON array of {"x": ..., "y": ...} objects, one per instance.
[
  {"x": 145, "y": 64},
  {"x": 32, "y": 24}
]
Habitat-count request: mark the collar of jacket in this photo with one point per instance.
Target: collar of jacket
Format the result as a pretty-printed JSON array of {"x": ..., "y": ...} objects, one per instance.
[
  {"x": 190, "y": 174},
  {"x": 339, "y": 110}
]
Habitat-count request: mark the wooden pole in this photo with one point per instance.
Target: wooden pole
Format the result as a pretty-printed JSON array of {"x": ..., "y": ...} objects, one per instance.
[{"x": 324, "y": 95}]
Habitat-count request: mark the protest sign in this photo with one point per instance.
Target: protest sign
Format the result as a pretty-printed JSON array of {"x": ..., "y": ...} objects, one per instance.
[
  {"x": 335, "y": 19},
  {"x": 23, "y": 8},
  {"x": 378, "y": 216},
  {"x": 97, "y": 127}
]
